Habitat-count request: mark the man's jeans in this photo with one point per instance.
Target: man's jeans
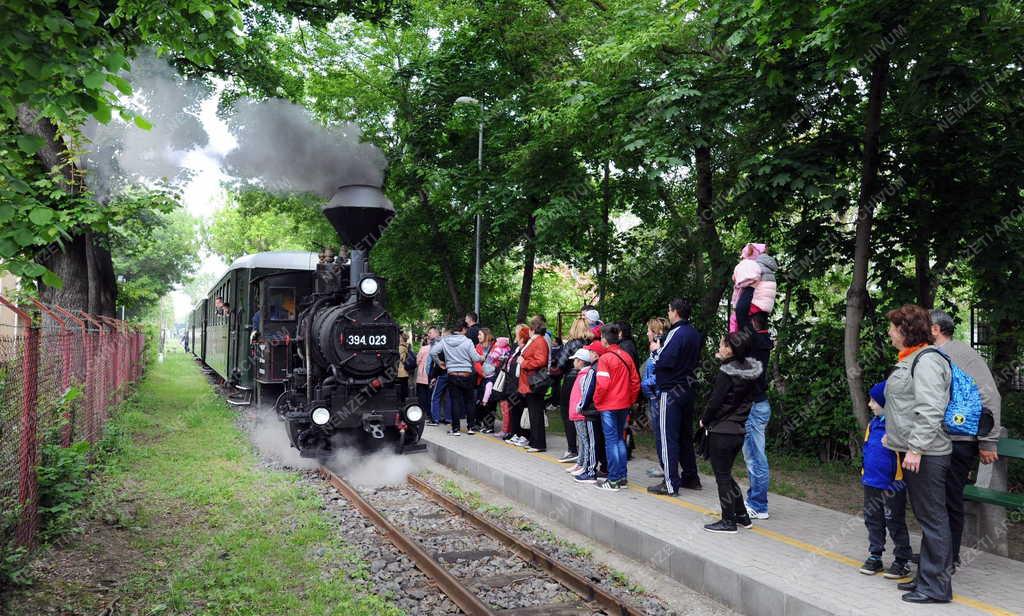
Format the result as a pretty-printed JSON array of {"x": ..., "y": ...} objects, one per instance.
[
  {"x": 438, "y": 399},
  {"x": 754, "y": 454},
  {"x": 613, "y": 423}
]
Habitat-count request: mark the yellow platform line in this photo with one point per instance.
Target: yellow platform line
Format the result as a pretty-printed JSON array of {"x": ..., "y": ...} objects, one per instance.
[{"x": 771, "y": 534}]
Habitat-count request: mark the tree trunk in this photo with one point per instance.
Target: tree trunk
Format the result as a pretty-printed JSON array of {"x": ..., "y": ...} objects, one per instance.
[
  {"x": 443, "y": 253},
  {"x": 856, "y": 296},
  {"x": 529, "y": 256},
  {"x": 922, "y": 271},
  {"x": 606, "y": 212},
  {"x": 719, "y": 272},
  {"x": 84, "y": 266}
]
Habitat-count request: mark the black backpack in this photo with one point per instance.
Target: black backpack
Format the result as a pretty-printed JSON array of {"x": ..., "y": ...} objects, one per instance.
[{"x": 410, "y": 361}]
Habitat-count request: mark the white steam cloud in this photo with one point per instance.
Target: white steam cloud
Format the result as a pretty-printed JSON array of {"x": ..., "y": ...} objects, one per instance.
[
  {"x": 372, "y": 470},
  {"x": 281, "y": 147}
]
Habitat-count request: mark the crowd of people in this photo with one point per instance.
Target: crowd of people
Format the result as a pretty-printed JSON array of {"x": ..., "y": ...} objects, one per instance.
[{"x": 913, "y": 451}]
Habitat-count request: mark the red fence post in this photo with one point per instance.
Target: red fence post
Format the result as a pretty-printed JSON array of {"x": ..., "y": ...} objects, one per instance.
[
  {"x": 64, "y": 342},
  {"x": 28, "y": 486}
]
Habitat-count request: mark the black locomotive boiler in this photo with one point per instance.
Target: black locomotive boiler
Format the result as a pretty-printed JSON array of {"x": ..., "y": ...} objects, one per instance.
[{"x": 341, "y": 383}]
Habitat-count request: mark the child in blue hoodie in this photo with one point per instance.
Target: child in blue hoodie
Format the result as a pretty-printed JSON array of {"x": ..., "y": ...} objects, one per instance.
[{"x": 885, "y": 496}]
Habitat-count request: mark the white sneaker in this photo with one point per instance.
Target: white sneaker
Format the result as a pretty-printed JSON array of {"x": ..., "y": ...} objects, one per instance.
[
  {"x": 582, "y": 471},
  {"x": 574, "y": 469},
  {"x": 755, "y": 515},
  {"x": 523, "y": 442}
]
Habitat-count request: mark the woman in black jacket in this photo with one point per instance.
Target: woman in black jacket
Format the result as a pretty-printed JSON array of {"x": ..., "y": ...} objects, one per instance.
[
  {"x": 725, "y": 418},
  {"x": 579, "y": 337}
]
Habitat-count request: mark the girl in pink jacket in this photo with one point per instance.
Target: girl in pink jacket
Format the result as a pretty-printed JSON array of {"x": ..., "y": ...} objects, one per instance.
[
  {"x": 581, "y": 397},
  {"x": 755, "y": 269}
]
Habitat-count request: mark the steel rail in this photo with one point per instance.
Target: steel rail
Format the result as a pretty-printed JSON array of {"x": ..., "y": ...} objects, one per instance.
[
  {"x": 462, "y": 596},
  {"x": 567, "y": 576}
]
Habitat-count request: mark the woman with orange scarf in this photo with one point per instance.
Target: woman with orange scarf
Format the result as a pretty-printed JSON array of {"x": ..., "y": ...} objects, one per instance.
[{"x": 916, "y": 396}]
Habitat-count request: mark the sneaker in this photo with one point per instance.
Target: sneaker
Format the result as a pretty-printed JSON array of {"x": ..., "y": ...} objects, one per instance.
[
  {"x": 454, "y": 433},
  {"x": 586, "y": 478},
  {"x": 582, "y": 471},
  {"x": 470, "y": 431},
  {"x": 609, "y": 484},
  {"x": 872, "y": 565},
  {"x": 757, "y": 515},
  {"x": 535, "y": 450},
  {"x": 602, "y": 475},
  {"x": 897, "y": 571},
  {"x": 523, "y": 443},
  {"x": 721, "y": 526},
  {"x": 745, "y": 523},
  {"x": 568, "y": 457},
  {"x": 432, "y": 423},
  {"x": 662, "y": 489},
  {"x": 654, "y": 472},
  {"x": 574, "y": 469}
]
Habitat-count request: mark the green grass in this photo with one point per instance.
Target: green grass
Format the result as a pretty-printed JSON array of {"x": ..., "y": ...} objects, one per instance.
[{"x": 221, "y": 535}]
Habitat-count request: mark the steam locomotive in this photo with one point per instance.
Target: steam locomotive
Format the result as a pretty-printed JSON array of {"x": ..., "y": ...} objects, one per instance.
[{"x": 329, "y": 350}]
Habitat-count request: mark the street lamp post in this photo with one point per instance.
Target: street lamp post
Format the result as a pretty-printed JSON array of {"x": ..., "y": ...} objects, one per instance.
[{"x": 469, "y": 100}]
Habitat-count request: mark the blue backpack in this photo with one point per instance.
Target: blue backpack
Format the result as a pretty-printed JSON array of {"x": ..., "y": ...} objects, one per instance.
[{"x": 965, "y": 416}]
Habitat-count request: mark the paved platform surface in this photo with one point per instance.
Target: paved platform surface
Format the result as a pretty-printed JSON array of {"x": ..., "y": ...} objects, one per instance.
[{"x": 803, "y": 560}]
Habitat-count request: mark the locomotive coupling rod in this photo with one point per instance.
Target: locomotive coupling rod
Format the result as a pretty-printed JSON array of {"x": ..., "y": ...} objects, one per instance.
[
  {"x": 570, "y": 578},
  {"x": 463, "y": 597}
]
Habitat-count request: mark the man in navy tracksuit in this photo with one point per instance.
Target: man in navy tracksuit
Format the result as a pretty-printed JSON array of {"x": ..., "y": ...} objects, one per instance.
[{"x": 674, "y": 375}]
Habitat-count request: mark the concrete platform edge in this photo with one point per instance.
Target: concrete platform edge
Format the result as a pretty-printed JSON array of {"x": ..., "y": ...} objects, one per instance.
[{"x": 695, "y": 570}]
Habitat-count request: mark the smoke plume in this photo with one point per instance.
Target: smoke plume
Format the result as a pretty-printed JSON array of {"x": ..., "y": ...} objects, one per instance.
[
  {"x": 120, "y": 153},
  {"x": 281, "y": 147}
]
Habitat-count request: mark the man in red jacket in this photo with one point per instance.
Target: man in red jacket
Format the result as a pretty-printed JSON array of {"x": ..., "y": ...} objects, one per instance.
[{"x": 618, "y": 384}]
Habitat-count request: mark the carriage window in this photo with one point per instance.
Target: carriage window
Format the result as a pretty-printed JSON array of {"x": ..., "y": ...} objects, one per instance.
[{"x": 281, "y": 303}]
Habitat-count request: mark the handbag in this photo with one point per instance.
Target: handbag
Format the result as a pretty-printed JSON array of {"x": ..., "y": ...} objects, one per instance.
[
  {"x": 700, "y": 444},
  {"x": 540, "y": 380},
  {"x": 524, "y": 422}
]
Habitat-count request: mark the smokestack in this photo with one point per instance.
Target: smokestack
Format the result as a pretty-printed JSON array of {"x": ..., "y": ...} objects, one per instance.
[{"x": 359, "y": 213}]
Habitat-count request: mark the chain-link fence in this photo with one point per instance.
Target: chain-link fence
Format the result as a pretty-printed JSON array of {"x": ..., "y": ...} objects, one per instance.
[{"x": 60, "y": 374}]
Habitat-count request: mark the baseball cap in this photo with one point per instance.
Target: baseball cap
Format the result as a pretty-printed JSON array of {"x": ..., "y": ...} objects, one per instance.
[{"x": 584, "y": 355}]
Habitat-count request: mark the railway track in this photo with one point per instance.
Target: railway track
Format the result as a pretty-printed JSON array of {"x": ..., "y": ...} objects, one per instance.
[{"x": 463, "y": 552}]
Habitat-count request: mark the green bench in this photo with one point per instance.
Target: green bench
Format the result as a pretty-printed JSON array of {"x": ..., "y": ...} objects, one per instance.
[
  {"x": 989, "y": 500},
  {"x": 1008, "y": 448}
]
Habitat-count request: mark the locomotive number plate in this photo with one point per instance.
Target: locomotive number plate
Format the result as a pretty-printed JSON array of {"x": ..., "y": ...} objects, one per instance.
[{"x": 363, "y": 339}]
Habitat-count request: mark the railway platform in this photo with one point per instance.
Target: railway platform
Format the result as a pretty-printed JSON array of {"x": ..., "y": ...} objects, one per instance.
[{"x": 803, "y": 560}]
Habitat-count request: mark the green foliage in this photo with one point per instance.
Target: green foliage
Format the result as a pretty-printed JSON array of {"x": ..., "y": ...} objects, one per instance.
[
  {"x": 257, "y": 221},
  {"x": 154, "y": 250},
  {"x": 63, "y": 487},
  {"x": 63, "y": 64}
]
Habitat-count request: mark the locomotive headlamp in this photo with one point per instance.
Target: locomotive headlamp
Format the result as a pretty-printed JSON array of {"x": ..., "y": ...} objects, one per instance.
[
  {"x": 413, "y": 413},
  {"x": 368, "y": 287},
  {"x": 320, "y": 416}
]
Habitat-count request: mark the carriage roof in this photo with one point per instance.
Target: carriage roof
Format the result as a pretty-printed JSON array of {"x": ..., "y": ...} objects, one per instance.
[{"x": 295, "y": 260}]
